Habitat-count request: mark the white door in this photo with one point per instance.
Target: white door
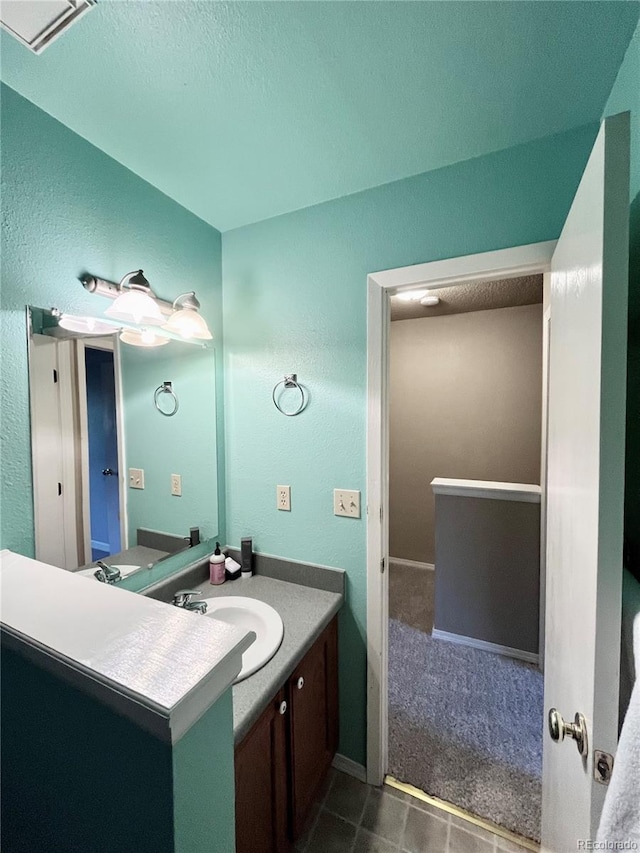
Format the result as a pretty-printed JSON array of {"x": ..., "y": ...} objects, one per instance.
[
  {"x": 54, "y": 451},
  {"x": 587, "y": 379},
  {"x": 46, "y": 445}
]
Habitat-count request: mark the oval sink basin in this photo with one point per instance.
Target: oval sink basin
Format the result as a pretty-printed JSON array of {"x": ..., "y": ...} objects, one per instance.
[
  {"x": 124, "y": 570},
  {"x": 252, "y": 615}
]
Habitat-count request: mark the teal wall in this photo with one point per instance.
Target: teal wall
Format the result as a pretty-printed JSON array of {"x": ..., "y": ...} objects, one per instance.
[
  {"x": 182, "y": 444},
  {"x": 67, "y": 208},
  {"x": 625, "y": 95},
  {"x": 203, "y": 790},
  {"x": 76, "y": 776},
  {"x": 295, "y": 300}
]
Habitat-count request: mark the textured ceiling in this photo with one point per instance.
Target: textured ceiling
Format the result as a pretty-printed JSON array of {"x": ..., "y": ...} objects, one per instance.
[
  {"x": 462, "y": 298},
  {"x": 244, "y": 110}
]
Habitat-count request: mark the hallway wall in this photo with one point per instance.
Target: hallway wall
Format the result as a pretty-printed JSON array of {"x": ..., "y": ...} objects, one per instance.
[{"x": 465, "y": 402}]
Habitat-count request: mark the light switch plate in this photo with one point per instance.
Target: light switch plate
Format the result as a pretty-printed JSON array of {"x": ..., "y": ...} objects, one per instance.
[
  {"x": 283, "y": 498},
  {"x": 136, "y": 478},
  {"x": 346, "y": 502},
  {"x": 176, "y": 485}
]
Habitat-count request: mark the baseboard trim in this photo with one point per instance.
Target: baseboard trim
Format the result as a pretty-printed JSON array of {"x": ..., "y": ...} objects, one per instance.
[
  {"x": 411, "y": 564},
  {"x": 507, "y": 651},
  {"x": 347, "y": 765}
]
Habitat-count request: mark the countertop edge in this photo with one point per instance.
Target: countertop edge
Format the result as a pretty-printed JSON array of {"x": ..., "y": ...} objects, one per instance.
[
  {"x": 195, "y": 693},
  {"x": 147, "y": 715},
  {"x": 169, "y": 725}
]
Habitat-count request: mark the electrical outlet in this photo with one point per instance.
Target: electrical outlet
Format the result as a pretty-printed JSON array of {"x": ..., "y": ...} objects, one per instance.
[
  {"x": 346, "y": 502},
  {"x": 283, "y": 498},
  {"x": 176, "y": 485},
  {"x": 136, "y": 478}
]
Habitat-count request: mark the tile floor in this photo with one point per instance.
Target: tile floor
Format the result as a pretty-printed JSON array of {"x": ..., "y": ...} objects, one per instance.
[{"x": 352, "y": 817}]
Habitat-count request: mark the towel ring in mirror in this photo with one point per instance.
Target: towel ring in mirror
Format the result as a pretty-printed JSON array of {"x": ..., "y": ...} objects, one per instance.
[
  {"x": 159, "y": 394},
  {"x": 290, "y": 381}
]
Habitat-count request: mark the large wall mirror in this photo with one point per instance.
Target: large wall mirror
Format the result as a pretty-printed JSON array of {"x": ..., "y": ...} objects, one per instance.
[{"x": 123, "y": 440}]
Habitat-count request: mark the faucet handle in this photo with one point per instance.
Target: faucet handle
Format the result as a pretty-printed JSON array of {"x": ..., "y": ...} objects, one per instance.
[
  {"x": 184, "y": 596},
  {"x": 106, "y": 574}
]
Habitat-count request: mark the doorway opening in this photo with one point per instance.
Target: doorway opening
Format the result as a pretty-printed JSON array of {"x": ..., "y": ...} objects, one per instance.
[
  {"x": 437, "y": 277},
  {"x": 77, "y": 447},
  {"x": 102, "y": 432},
  {"x": 465, "y": 466}
]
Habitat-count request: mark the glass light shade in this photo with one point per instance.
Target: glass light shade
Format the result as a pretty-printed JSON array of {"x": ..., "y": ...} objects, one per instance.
[
  {"x": 187, "y": 323},
  {"x": 137, "y": 307},
  {"x": 142, "y": 338},
  {"x": 85, "y": 325}
]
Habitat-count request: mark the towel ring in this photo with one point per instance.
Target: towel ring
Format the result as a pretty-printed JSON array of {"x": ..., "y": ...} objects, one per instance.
[
  {"x": 290, "y": 381},
  {"x": 165, "y": 388}
]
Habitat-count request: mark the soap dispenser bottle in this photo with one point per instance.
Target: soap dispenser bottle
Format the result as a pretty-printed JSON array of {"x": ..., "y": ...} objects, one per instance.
[{"x": 216, "y": 566}]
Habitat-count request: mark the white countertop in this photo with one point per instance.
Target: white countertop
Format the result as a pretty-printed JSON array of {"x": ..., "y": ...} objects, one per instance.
[
  {"x": 161, "y": 666},
  {"x": 526, "y": 492}
]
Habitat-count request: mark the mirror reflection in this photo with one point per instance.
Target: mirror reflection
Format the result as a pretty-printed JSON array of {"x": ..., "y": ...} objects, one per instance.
[{"x": 123, "y": 459}]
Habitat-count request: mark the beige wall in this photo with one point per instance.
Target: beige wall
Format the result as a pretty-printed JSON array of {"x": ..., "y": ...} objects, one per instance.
[{"x": 465, "y": 401}]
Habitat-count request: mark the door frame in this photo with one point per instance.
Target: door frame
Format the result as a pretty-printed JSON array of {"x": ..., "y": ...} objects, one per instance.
[
  {"x": 532, "y": 259},
  {"x": 112, "y": 345}
]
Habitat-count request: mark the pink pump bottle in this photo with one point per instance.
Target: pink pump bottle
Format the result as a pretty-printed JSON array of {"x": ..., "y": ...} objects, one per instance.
[{"x": 216, "y": 566}]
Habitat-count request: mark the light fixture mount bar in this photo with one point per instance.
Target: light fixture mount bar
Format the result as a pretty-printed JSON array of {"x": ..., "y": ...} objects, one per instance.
[{"x": 111, "y": 291}]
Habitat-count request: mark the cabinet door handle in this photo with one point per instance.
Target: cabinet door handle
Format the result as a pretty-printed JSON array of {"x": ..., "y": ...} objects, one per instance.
[
  {"x": 283, "y": 707},
  {"x": 300, "y": 683}
]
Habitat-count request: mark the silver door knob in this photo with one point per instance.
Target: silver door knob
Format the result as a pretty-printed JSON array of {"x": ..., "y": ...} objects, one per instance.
[
  {"x": 300, "y": 683},
  {"x": 283, "y": 707},
  {"x": 577, "y": 730}
]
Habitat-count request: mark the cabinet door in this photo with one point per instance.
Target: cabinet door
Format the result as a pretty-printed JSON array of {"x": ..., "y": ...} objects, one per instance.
[
  {"x": 261, "y": 784},
  {"x": 313, "y": 691}
]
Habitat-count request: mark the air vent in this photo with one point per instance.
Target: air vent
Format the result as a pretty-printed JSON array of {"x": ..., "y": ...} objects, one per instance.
[{"x": 36, "y": 23}]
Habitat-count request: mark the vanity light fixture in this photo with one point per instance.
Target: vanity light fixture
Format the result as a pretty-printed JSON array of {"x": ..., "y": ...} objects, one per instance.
[
  {"x": 85, "y": 325},
  {"x": 142, "y": 338},
  {"x": 186, "y": 320},
  {"x": 411, "y": 295},
  {"x": 136, "y": 303}
]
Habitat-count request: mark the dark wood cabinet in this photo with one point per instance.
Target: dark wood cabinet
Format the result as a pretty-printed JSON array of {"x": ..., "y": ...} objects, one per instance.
[
  {"x": 281, "y": 763},
  {"x": 313, "y": 727},
  {"x": 262, "y": 810}
]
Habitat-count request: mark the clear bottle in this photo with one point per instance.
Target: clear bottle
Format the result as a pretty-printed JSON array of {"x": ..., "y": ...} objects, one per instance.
[{"x": 216, "y": 566}]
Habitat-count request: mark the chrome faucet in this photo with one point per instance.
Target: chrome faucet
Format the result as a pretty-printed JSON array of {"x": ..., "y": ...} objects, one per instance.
[
  {"x": 107, "y": 574},
  {"x": 183, "y": 597}
]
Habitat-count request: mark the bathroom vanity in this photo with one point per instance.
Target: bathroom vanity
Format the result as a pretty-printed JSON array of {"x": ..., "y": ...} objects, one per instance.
[
  {"x": 282, "y": 762},
  {"x": 113, "y": 691},
  {"x": 285, "y": 716}
]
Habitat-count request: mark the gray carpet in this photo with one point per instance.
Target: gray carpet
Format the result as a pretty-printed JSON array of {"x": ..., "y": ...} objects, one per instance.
[
  {"x": 466, "y": 726},
  {"x": 412, "y": 596}
]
